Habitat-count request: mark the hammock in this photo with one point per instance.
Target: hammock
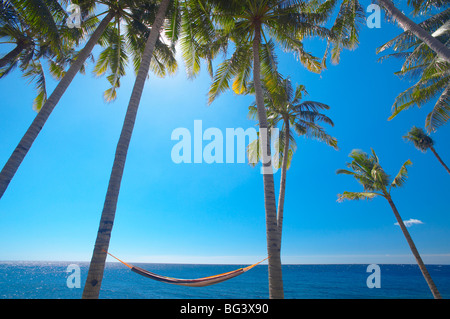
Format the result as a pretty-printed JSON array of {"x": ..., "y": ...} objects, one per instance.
[{"x": 199, "y": 282}]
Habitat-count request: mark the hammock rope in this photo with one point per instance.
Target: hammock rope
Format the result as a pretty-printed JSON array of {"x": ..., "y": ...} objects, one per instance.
[{"x": 199, "y": 282}]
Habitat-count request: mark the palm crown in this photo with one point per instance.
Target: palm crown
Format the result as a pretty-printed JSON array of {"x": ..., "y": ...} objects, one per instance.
[
  {"x": 423, "y": 142},
  {"x": 285, "y": 106},
  {"x": 38, "y": 30},
  {"x": 419, "y": 138},
  {"x": 366, "y": 169},
  {"x": 285, "y": 22}
]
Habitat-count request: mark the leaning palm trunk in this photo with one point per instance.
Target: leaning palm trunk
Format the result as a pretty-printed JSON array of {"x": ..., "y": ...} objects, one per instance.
[
  {"x": 408, "y": 25},
  {"x": 273, "y": 248},
  {"x": 413, "y": 248},
  {"x": 31, "y": 134},
  {"x": 12, "y": 55},
  {"x": 283, "y": 181},
  {"x": 439, "y": 159},
  {"x": 97, "y": 265}
]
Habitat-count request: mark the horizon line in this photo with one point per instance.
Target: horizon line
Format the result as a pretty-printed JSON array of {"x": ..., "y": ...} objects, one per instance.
[
  {"x": 436, "y": 259},
  {"x": 222, "y": 264}
]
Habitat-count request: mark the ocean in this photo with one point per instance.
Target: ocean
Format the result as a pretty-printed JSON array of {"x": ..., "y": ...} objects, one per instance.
[{"x": 56, "y": 280}]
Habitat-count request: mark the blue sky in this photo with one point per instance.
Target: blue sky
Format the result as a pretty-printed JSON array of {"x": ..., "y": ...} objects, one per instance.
[{"x": 214, "y": 213}]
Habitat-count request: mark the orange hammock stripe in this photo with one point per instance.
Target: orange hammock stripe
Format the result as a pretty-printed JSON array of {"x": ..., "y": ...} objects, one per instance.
[{"x": 199, "y": 282}]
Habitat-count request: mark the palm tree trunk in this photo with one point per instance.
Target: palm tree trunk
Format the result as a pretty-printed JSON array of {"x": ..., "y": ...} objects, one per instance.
[
  {"x": 439, "y": 159},
  {"x": 97, "y": 265},
  {"x": 416, "y": 254},
  {"x": 273, "y": 247},
  {"x": 13, "y": 54},
  {"x": 14, "y": 161},
  {"x": 283, "y": 180},
  {"x": 408, "y": 25}
]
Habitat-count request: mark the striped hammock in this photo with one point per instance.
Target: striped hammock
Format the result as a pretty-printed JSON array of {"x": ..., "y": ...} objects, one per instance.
[{"x": 199, "y": 282}]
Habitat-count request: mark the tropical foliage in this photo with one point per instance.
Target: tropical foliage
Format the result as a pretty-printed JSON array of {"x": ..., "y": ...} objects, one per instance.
[
  {"x": 146, "y": 34},
  {"x": 345, "y": 27},
  {"x": 423, "y": 66},
  {"x": 39, "y": 32}
]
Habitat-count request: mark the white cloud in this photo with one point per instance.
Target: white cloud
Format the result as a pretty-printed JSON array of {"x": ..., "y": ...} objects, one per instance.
[{"x": 410, "y": 222}]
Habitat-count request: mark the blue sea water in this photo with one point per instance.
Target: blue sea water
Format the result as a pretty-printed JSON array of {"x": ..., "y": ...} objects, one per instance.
[{"x": 49, "y": 280}]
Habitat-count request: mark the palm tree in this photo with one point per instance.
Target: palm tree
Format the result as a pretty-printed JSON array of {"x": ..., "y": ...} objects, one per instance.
[
  {"x": 408, "y": 25},
  {"x": 376, "y": 182},
  {"x": 97, "y": 265},
  {"x": 253, "y": 26},
  {"x": 41, "y": 118},
  {"x": 285, "y": 106},
  {"x": 423, "y": 65},
  {"x": 423, "y": 142},
  {"x": 188, "y": 23}
]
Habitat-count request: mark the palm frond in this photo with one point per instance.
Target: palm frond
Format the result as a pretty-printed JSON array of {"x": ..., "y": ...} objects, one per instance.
[
  {"x": 345, "y": 30},
  {"x": 419, "y": 94},
  {"x": 229, "y": 69},
  {"x": 357, "y": 196},
  {"x": 112, "y": 59},
  {"x": 189, "y": 46},
  {"x": 35, "y": 73},
  {"x": 440, "y": 113},
  {"x": 224, "y": 74},
  {"x": 292, "y": 44},
  {"x": 173, "y": 26},
  {"x": 269, "y": 66},
  {"x": 278, "y": 152},
  {"x": 163, "y": 61},
  {"x": 345, "y": 171},
  {"x": 423, "y": 7},
  {"x": 401, "y": 176},
  {"x": 421, "y": 64}
]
